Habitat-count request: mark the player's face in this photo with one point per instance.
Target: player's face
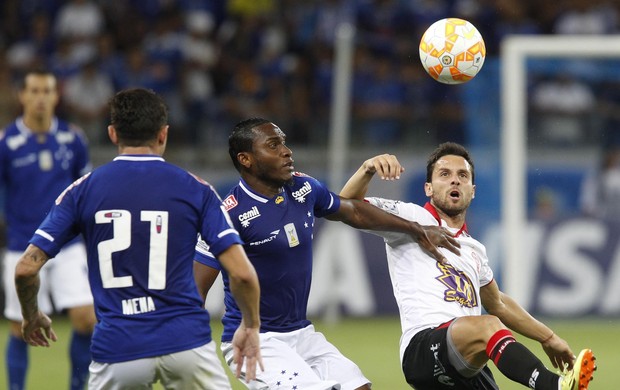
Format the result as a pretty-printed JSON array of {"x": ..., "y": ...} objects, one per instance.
[
  {"x": 272, "y": 158},
  {"x": 451, "y": 188},
  {"x": 39, "y": 96}
]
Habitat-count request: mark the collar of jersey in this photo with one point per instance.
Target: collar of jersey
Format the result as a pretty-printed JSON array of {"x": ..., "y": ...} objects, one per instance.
[
  {"x": 138, "y": 157},
  {"x": 431, "y": 209},
  {"x": 248, "y": 190},
  {"x": 21, "y": 126}
]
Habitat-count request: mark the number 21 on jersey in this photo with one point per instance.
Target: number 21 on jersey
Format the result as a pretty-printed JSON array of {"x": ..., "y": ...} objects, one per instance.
[{"x": 121, "y": 240}]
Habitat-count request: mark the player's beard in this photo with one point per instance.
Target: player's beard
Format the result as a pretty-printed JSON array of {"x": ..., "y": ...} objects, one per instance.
[{"x": 449, "y": 208}]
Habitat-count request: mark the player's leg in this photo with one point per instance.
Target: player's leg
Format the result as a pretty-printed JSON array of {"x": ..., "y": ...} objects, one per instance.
[
  {"x": 427, "y": 365},
  {"x": 474, "y": 340},
  {"x": 198, "y": 368},
  {"x": 70, "y": 290},
  {"x": 283, "y": 365},
  {"x": 328, "y": 362},
  {"x": 82, "y": 320},
  {"x": 137, "y": 374},
  {"x": 16, "y": 354}
]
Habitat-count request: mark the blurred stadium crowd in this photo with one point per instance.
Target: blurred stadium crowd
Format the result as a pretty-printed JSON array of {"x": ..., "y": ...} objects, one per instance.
[{"x": 217, "y": 61}]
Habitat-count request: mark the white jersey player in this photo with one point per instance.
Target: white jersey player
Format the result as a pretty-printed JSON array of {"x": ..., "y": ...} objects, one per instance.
[{"x": 447, "y": 341}]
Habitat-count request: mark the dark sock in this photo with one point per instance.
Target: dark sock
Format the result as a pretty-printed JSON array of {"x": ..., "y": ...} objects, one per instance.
[
  {"x": 16, "y": 362},
  {"x": 517, "y": 363},
  {"x": 79, "y": 351}
]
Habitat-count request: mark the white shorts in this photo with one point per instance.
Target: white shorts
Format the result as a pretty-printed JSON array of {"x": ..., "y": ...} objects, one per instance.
[
  {"x": 198, "y": 368},
  {"x": 302, "y": 359},
  {"x": 64, "y": 280}
]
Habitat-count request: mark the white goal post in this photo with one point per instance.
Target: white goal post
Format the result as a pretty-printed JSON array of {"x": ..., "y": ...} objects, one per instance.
[{"x": 514, "y": 52}]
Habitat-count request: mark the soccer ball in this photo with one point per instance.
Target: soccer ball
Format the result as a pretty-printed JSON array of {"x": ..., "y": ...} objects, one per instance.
[{"x": 452, "y": 51}]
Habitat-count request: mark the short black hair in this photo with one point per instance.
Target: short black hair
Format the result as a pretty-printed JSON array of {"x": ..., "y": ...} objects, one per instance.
[
  {"x": 242, "y": 137},
  {"x": 36, "y": 71},
  {"x": 137, "y": 114},
  {"x": 444, "y": 149}
]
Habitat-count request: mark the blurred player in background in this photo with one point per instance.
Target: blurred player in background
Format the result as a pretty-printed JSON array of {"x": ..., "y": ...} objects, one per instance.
[
  {"x": 274, "y": 208},
  {"x": 446, "y": 341},
  {"x": 40, "y": 155},
  {"x": 140, "y": 217}
]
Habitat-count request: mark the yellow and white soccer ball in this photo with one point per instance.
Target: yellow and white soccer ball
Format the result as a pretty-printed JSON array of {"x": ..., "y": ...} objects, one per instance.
[{"x": 452, "y": 51}]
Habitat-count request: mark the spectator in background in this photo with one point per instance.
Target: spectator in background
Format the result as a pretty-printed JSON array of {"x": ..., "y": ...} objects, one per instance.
[
  {"x": 587, "y": 17},
  {"x": 600, "y": 191},
  {"x": 110, "y": 60},
  {"x": 163, "y": 50},
  {"x": 380, "y": 103},
  {"x": 80, "y": 22},
  {"x": 512, "y": 17},
  {"x": 86, "y": 95},
  {"x": 199, "y": 55},
  {"x": 34, "y": 49},
  {"x": 563, "y": 107}
]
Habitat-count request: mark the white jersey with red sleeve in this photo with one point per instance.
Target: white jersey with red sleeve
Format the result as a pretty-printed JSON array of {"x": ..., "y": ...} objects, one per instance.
[{"x": 428, "y": 293}]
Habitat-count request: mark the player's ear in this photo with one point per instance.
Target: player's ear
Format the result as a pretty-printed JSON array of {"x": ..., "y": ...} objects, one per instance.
[
  {"x": 245, "y": 159},
  {"x": 112, "y": 134},
  {"x": 428, "y": 189},
  {"x": 162, "y": 136},
  {"x": 473, "y": 194}
]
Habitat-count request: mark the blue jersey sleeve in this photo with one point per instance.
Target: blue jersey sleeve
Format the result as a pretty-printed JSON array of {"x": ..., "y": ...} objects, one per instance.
[
  {"x": 205, "y": 257},
  {"x": 217, "y": 230},
  {"x": 60, "y": 225},
  {"x": 326, "y": 202}
]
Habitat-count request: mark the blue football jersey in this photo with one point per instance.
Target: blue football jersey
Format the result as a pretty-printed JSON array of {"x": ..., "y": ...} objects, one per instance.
[
  {"x": 34, "y": 169},
  {"x": 140, "y": 217},
  {"x": 277, "y": 235}
]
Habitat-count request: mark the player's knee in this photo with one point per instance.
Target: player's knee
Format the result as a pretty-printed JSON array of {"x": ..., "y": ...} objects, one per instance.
[{"x": 490, "y": 325}]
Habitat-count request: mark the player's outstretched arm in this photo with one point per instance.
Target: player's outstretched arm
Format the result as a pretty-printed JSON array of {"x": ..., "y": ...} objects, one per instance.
[
  {"x": 246, "y": 291},
  {"x": 358, "y": 215},
  {"x": 515, "y": 317},
  {"x": 362, "y": 215},
  {"x": 386, "y": 165},
  {"x": 36, "y": 326}
]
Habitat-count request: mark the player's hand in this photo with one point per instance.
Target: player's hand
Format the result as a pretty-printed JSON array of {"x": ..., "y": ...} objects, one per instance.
[
  {"x": 559, "y": 352},
  {"x": 431, "y": 238},
  {"x": 38, "y": 330},
  {"x": 385, "y": 165},
  {"x": 246, "y": 348}
]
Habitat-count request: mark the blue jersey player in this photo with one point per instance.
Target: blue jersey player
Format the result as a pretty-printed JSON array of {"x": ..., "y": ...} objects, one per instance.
[
  {"x": 140, "y": 217},
  {"x": 40, "y": 155},
  {"x": 274, "y": 208}
]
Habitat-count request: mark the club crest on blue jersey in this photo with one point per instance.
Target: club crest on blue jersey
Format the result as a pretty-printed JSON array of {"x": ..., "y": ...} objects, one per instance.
[
  {"x": 248, "y": 216},
  {"x": 279, "y": 199},
  {"x": 300, "y": 194},
  {"x": 459, "y": 287}
]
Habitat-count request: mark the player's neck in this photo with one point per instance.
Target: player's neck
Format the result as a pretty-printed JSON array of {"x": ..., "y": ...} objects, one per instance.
[
  {"x": 138, "y": 150},
  {"x": 267, "y": 189},
  {"x": 455, "y": 222},
  {"x": 38, "y": 124}
]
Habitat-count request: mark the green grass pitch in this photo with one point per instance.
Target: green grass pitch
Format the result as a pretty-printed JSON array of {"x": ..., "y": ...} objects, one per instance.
[{"x": 371, "y": 342}]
